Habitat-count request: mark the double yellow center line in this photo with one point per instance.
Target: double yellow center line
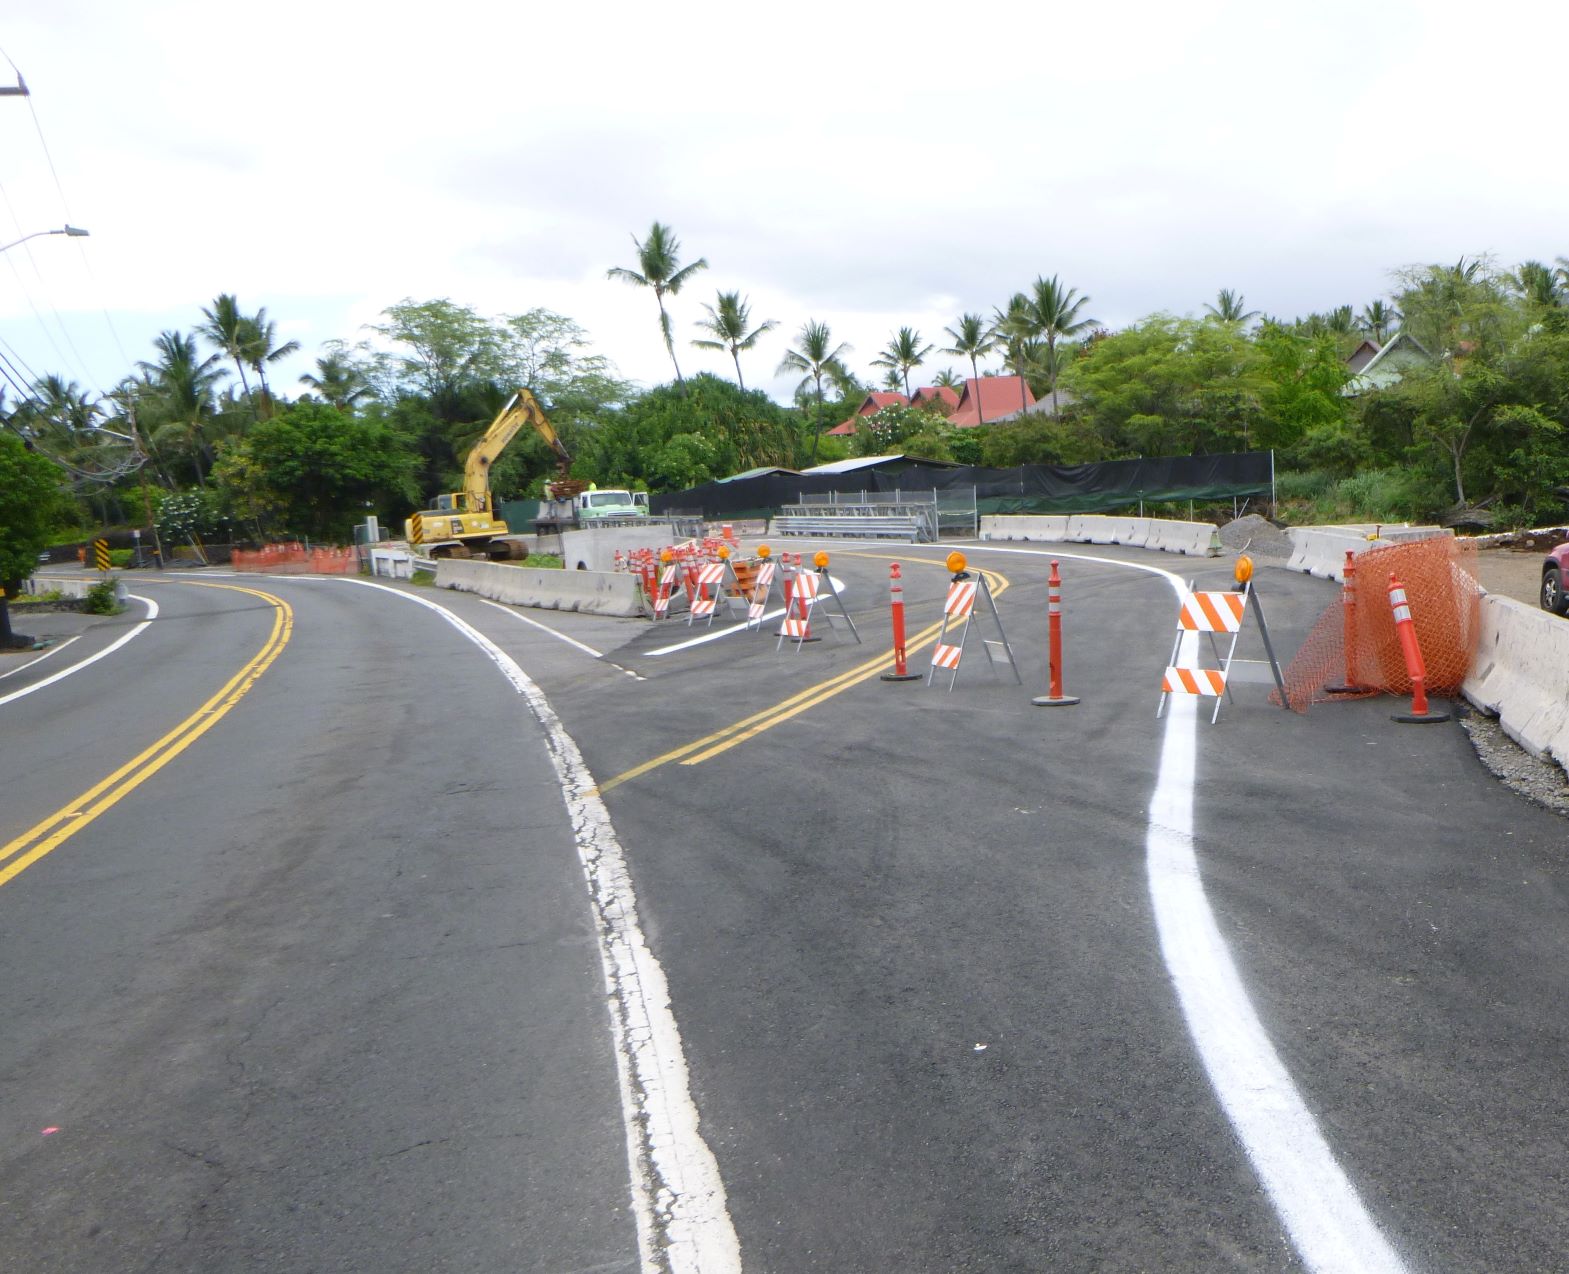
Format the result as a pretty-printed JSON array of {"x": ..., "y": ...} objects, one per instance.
[
  {"x": 18, "y": 855},
  {"x": 710, "y": 746}
]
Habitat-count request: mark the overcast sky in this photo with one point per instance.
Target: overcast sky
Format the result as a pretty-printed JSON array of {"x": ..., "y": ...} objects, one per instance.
[{"x": 897, "y": 165}]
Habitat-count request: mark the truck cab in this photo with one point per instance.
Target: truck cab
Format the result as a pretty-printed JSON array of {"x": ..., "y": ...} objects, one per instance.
[{"x": 598, "y": 503}]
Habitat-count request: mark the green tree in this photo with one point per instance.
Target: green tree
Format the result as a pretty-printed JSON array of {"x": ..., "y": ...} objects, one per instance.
[
  {"x": 974, "y": 340},
  {"x": 1377, "y": 320},
  {"x": 260, "y": 349},
  {"x": 440, "y": 350},
  {"x": 904, "y": 353},
  {"x": 817, "y": 357},
  {"x": 32, "y": 504},
  {"x": 1013, "y": 327},
  {"x": 226, "y": 328},
  {"x": 1230, "y": 307},
  {"x": 730, "y": 324},
  {"x": 1301, "y": 379},
  {"x": 318, "y": 471},
  {"x": 179, "y": 392},
  {"x": 660, "y": 269},
  {"x": 339, "y": 380},
  {"x": 1052, "y": 313}
]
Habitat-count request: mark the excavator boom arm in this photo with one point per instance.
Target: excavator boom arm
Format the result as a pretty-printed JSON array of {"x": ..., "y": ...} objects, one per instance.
[{"x": 522, "y": 408}]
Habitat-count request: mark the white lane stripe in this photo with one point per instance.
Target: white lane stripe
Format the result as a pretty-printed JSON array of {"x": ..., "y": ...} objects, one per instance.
[
  {"x": 683, "y": 1222},
  {"x": 152, "y": 614},
  {"x": 571, "y": 641},
  {"x": 1326, "y": 1218},
  {"x": 53, "y": 650}
]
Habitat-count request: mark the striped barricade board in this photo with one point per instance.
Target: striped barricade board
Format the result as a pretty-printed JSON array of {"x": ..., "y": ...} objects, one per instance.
[
  {"x": 1210, "y": 613},
  {"x": 958, "y": 610}
]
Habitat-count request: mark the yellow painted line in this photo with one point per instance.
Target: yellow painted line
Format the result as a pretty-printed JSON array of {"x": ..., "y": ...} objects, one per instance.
[
  {"x": 710, "y": 746},
  {"x": 47, "y": 836}
]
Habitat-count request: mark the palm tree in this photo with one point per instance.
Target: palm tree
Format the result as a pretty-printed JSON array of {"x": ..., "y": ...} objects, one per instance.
[
  {"x": 973, "y": 340},
  {"x": 1376, "y": 319},
  {"x": 949, "y": 379},
  {"x": 338, "y": 379},
  {"x": 1053, "y": 312},
  {"x": 225, "y": 328},
  {"x": 1228, "y": 307},
  {"x": 728, "y": 323},
  {"x": 904, "y": 352},
  {"x": 1340, "y": 320},
  {"x": 1012, "y": 329},
  {"x": 183, "y": 384},
  {"x": 817, "y": 357},
  {"x": 256, "y": 345},
  {"x": 1538, "y": 284},
  {"x": 659, "y": 268}
]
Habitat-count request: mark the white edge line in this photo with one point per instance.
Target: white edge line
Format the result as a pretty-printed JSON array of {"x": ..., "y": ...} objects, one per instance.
[
  {"x": 557, "y": 633},
  {"x": 53, "y": 650},
  {"x": 152, "y": 614},
  {"x": 683, "y": 1221},
  {"x": 1329, "y": 1224}
]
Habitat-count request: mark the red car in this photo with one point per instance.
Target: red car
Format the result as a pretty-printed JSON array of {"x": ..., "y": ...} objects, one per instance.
[{"x": 1555, "y": 573}]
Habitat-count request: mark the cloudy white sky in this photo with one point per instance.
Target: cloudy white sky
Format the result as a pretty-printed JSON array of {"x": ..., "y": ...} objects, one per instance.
[{"x": 869, "y": 166}]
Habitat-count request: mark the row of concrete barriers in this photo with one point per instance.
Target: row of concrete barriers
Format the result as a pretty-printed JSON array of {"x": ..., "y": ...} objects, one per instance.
[
  {"x": 1521, "y": 675},
  {"x": 1321, "y": 550},
  {"x": 1195, "y": 539}
]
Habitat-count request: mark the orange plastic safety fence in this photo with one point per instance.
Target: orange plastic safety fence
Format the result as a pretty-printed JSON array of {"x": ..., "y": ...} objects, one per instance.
[
  {"x": 1354, "y": 643},
  {"x": 295, "y": 559}
]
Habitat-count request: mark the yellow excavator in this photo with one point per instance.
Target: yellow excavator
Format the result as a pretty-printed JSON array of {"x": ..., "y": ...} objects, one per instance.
[{"x": 464, "y": 523}]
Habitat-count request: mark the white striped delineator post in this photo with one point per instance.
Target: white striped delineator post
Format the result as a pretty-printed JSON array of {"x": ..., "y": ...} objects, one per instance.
[
  {"x": 1220, "y": 612},
  {"x": 960, "y": 605},
  {"x": 800, "y": 601}
]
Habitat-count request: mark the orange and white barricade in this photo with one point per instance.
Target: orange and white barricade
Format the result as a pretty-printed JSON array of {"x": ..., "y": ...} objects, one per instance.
[
  {"x": 710, "y": 588},
  {"x": 964, "y": 590},
  {"x": 764, "y": 585},
  {"x": 811, "y": 589},
  {"x": 668, "y": 580},
  {"x": 1211, "y": 613}
]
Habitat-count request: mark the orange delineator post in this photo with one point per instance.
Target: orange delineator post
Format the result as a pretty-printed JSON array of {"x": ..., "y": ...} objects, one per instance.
[
  {"x": 1054, "y": 698},
  {"x": 1416, "y": 669},
  {"x": 901, "y": 671},
  {"x": 1348, "y": 640}
]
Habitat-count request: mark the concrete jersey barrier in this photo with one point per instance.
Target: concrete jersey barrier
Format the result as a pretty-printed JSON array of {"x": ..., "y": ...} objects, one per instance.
[
  {"x": 591, "y": 592},
  {"x": 1521, "y": 674},
  {"x": 1195, "y": 539}
]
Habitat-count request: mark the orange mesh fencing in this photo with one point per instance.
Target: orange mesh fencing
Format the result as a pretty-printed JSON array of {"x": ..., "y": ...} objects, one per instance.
[
  {"x": 296, "y": 559},
  {"x": 1354, "y": 643}
]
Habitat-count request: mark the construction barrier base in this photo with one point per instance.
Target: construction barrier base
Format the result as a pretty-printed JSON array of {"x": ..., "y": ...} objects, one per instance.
[
  {"x": 1055, "y": 701},
  {"x": 1432, "y": 718},
  {"x": 903, "y": 676}
]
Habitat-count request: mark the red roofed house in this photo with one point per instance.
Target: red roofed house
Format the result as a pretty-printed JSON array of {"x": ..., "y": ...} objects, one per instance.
[
  {"x": 989, "y": 399},
  {"x": 935, "y": 394},
  {"x": 870, "y": 406}
]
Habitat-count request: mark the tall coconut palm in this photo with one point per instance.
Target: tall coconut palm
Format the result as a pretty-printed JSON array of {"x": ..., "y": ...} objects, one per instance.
[
  {"x": 1053, "y": 312},
  {"x": 660, "y": 268},
  {"x": 257, "y": 337},
  {"x": 817, "y": 357},
  {"x": 226, "y": 328},
  {"x": 1376, "y": 320},
  {"x": 182, "y": 385},
  {"x": 1230, "y": 307},
  {"x": 729, "y": 324},
  {"x": 903, "y": 353},
  {"x": 974, "y": 340},
  {"x": 949, "y": 379},
  {"x": 1538, "y": 284},
  {"x": 1013, "y": 327}
]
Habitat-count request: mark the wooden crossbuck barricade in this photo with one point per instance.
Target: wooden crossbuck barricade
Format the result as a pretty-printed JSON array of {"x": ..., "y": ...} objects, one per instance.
[
  {"x": 1210, "y": 613},
  {"x": 810, "y": 592},
  {"x": 959, "y": 608}
]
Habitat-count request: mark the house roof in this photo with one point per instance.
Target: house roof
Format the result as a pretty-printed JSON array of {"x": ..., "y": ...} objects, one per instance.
[
  {"x": 934, "y": 393},
  {"x": 1362, "y": 355},
  {"x": 872, "y": 462},
  {"x": 989, "y": 398},
  {"x": 760, "y": 472},
  {"x": 1388, "y": 365},
  {"x": 873, "y": 403}
]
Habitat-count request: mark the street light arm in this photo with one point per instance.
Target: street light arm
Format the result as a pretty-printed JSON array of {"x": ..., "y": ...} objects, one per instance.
[{"x": 76, "y": 232}]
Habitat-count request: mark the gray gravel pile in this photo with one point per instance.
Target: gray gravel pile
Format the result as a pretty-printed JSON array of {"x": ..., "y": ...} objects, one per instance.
[
  {"x": 1267, "y": 539},
  {"x": 1540, "y": 781}
]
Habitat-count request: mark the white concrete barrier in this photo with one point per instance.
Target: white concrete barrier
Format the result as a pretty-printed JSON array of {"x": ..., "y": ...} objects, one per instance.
[
  {"x": 1521, "y": 673},
  {"x": 1040, "y": 528},
  {"x": 1138, "y": 533},
  {"x": 595, "y": 546},
  {"x": 70, "y": 585},
  {"x": 1195, "y": 539},
  {"x": 1321, "y": 551},
  {"x": 592, "y": 592}
]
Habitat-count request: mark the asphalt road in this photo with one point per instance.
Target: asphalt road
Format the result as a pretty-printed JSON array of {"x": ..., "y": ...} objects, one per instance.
[{"x": 327, "y": 991}]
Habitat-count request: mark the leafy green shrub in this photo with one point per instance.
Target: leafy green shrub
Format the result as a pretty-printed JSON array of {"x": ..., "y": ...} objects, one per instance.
[{"x": 100, "y": 599}]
